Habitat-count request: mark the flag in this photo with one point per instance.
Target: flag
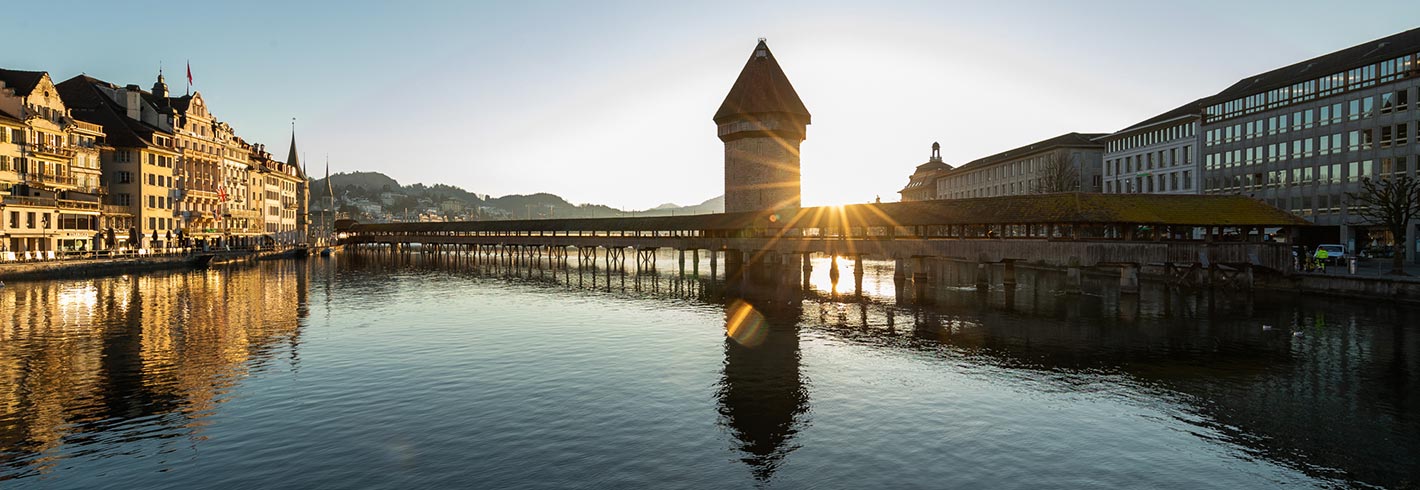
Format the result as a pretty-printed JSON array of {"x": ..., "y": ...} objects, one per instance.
[{"x": 189, "y": 73}]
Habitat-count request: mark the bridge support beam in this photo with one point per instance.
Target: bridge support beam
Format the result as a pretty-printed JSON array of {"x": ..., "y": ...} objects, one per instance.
[
  {"x": 983, "y": 275},
  {"x": 808, "y": 269},
  {"x": 858, "y": 275},
  {"x": 1008, "y": 274},
  {"x": 714, "y": 262},
  {"x": 1129, "y": 279},
  {"x": 921, "y": 280},
  {"x": 646, "y": 260},
  {"x": 899, "y": 279}
]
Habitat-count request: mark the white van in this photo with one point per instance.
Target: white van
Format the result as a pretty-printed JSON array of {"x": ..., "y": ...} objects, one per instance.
[{"x": 1335, "y": 254}]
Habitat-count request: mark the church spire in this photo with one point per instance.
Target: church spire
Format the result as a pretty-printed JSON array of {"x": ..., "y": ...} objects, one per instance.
[{"x": 292, "y": 157}]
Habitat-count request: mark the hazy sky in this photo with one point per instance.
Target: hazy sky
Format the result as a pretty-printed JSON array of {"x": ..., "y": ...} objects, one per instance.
[{"x": 611, "y": 102}]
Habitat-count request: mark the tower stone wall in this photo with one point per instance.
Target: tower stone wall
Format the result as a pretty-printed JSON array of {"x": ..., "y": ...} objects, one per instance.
[
  {"x": 761, "y": 172},
  {"x": 762, "y": 122}
]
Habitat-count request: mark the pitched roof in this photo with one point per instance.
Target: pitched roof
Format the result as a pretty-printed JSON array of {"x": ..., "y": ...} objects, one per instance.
[
  {"x": 85, "y": 100},
  {"x": 291, "y": 157},
  {"x": 761, "y": 88},
  {"x": 1084, "y": 140},
  {"x": 1194, "y": 108},
  {"x": 23, "y": 82},
  {"x": 1061, "y": 208},
  {"x": 5, "y": 116},
  {"x": 1393, "y": 46}
]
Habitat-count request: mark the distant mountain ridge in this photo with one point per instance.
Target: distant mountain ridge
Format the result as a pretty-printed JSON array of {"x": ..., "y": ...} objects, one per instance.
[{"x": 361, "y": 193}]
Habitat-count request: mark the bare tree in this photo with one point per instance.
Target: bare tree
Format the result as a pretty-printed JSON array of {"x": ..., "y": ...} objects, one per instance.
[
  {"x": 1391, "y": 202},
  {"x": 1057, "y": 174}
]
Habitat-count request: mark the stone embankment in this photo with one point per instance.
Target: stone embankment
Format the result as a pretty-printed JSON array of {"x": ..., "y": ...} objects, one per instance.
[
  {"x": 60, "y": 269},
  {"x": 1383, "y": 288}
]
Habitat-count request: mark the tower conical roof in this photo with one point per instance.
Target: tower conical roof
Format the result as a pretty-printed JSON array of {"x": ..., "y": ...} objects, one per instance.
[
  {"x": 291, "y": 158},
  {"x": 761, "y": 88}
]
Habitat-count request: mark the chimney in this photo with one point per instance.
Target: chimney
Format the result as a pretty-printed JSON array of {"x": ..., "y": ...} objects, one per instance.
[{"x": 134, "y": 102}]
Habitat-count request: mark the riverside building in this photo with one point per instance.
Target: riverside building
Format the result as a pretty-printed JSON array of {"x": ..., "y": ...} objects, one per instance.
[
  {"x": 922, "y": 185},
  {"x": 138, "y": 163},
  {"x": 49, "y": 192},
  {"x": 1156, "y": 156},
  {"x": 1026, "y": 170},
  {"x": 1300, "y": 137}
]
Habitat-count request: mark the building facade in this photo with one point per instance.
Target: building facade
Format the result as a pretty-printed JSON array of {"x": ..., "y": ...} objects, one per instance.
[
  {"x": 762, "y": 123},
  {"x": 1156, "y": 156},
  {"x": 138, "y": 162},
  {"x": 922, "y": 185},
  {"x": 200, "y": 165},
  {"x": 1301, "y": 137},
  {"x": 48, "y": 200},
  {"x": 1029, "y": 169}
]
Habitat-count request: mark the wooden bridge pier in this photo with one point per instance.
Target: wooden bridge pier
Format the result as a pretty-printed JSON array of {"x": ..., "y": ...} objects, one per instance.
[
  {"x": 858, "y": 274},
  {"x": 713, "y": 262},
  {"x": 646, "y": 260},
  {"x": 808, "y": 269}
]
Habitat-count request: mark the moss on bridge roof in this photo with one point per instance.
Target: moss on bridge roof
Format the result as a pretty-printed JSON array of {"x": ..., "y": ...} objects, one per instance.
[{"x": 1062, "y": 208}]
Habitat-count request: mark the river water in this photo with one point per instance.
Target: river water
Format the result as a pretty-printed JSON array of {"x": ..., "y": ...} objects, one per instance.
[{"x": 367, "y": 371}]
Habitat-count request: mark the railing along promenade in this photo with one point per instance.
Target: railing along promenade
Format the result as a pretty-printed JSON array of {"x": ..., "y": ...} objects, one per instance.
[{"x": 1188, "y": 235}]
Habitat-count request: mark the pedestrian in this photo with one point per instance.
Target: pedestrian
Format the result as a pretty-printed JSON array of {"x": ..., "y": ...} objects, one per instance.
[{"x": 1321, "y": 256}]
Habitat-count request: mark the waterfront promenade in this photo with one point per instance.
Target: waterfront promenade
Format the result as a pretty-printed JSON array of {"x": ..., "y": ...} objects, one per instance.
[{"x": 94, "y": 264}]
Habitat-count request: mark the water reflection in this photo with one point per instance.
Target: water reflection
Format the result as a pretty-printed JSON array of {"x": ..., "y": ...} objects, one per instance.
[
  {"x": 1325, "y": 387},
  {"x": 86, "y": 364},
  {"x": 763, "y": 398},
  {"x": 1328, "y": 388}
]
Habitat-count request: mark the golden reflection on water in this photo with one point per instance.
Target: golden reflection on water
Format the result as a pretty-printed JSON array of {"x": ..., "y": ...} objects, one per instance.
[{"x": 80, "y": 356}]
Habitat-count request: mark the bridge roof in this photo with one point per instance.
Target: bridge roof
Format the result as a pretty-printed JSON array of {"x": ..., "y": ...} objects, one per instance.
[{"x": 1060, "y": 208}]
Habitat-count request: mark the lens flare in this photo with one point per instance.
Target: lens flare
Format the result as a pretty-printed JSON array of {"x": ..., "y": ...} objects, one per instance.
[{"x": 744, "y": 324}]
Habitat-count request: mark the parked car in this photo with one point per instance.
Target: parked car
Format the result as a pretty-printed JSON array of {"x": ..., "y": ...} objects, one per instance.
[{"x": 1335, "y": 254}]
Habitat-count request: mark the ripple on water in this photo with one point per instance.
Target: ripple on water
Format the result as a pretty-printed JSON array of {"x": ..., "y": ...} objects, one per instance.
[{"x": 363, "y": 372}]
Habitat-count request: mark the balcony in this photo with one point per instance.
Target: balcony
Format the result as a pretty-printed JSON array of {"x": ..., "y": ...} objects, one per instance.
[
  {"x": 85, "y": 126},
  {"x": 48, "y": 149},
  {"x": 38, "y": 202},
  {"x": 78, "y": 205},
  {"x": 116, "y": 210},
  {"x": 49, "y": 179}
]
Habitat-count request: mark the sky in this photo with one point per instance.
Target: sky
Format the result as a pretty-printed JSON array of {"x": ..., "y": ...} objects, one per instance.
[{"x": 611, "y": 102}]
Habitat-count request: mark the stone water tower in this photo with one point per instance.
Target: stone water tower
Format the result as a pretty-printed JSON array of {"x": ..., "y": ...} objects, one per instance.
[{"x": 762, "y": 122}]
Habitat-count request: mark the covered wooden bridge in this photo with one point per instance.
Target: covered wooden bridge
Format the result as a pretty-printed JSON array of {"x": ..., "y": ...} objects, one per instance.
[{"x": 1066, "y": 230}]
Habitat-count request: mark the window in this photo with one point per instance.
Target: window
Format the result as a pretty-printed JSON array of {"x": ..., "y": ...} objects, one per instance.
[
  {"x": 1386, "y": 137},
  {"x": 1402, "y": 133}
]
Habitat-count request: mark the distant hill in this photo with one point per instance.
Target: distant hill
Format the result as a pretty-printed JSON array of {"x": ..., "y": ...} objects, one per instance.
[
  {"x": 353, "y": 188},
  {"x": 373, "y": 181}
]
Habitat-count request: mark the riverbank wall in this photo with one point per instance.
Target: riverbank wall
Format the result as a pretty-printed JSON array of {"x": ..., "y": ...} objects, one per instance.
[
  {"x": 1402, "y": 289},
  {"x": 65, "y": 269}
]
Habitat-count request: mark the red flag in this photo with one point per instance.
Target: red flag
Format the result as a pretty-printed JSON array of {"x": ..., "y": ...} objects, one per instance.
[{"x": 189, "y": 73}]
